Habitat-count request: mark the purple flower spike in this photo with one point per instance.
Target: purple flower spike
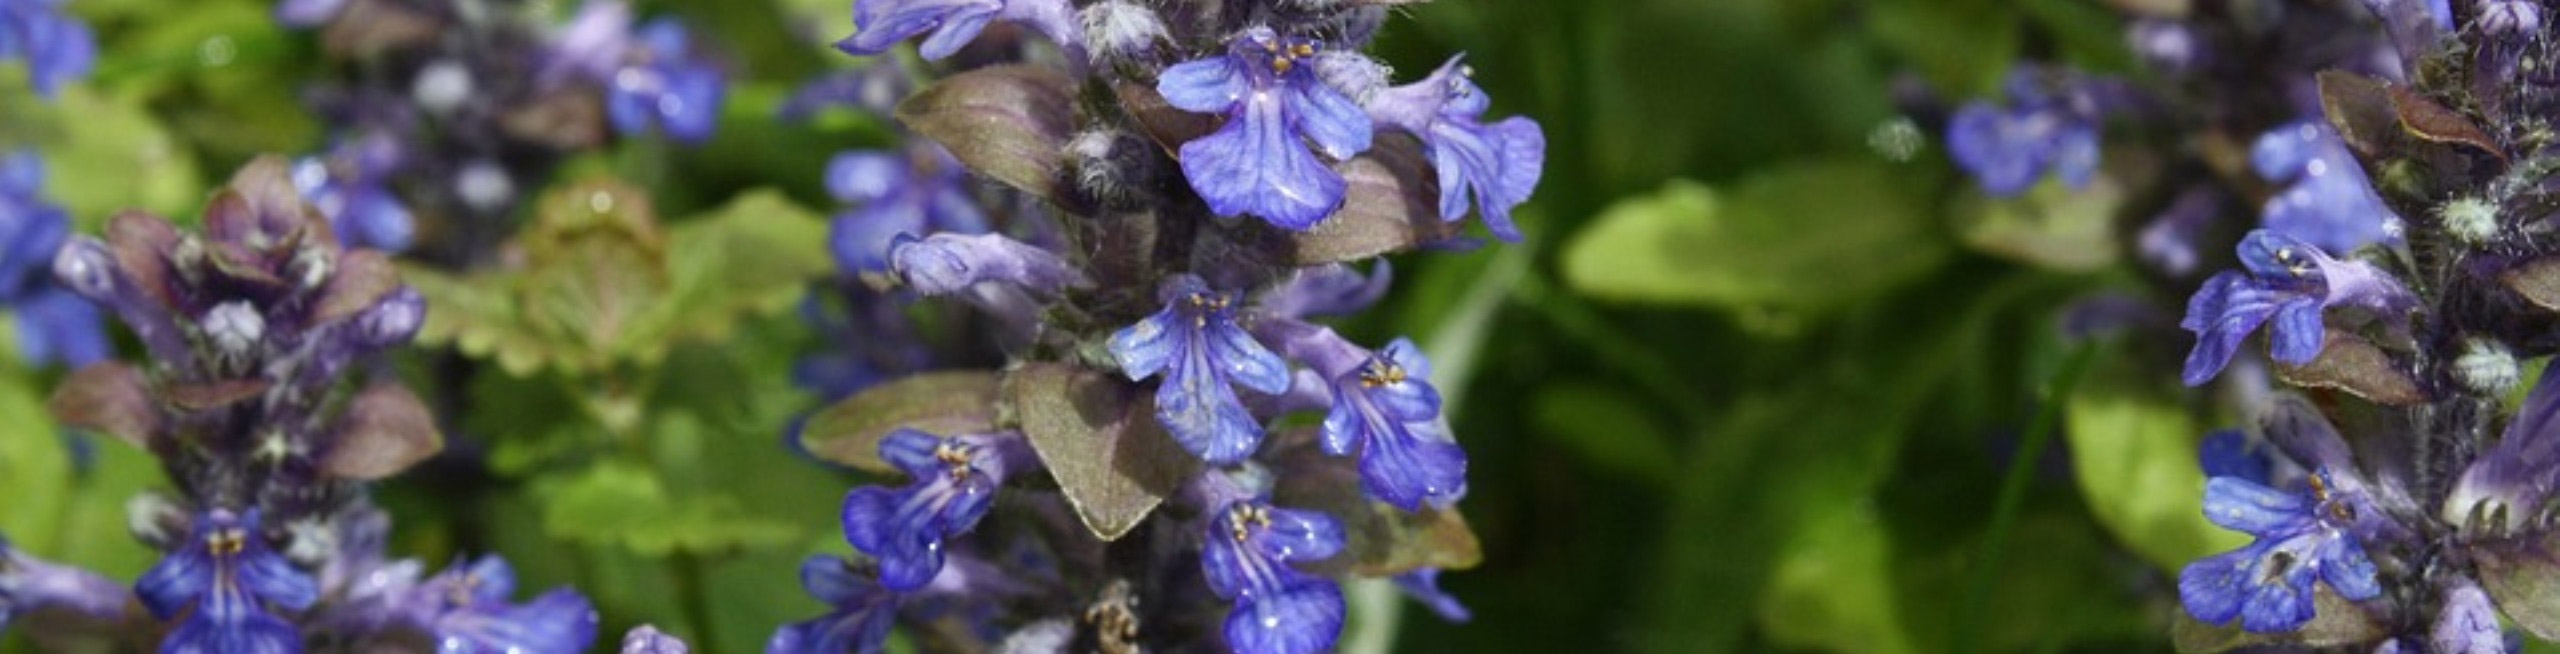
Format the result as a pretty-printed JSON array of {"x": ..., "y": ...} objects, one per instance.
[
  {"x": 1498, "y": 163},
  {"x": 1258, "y": 162},
  {"x": 2008, "y": 147},
  {"x": 29, "y": 585},
  {"x": 858, "y": 622},
  {"x": 946, "y": 263},
  {"x": 225, "y": 570},
  {"x": 1246, "y": 556},
  {"x": 2331, "y": 203},
  {"x": 1197, "y": 346},
  {"x": 2302, "y": 536},
  {"x": 2291, "y": 283},
  {"x": 920, "y": 191},
  {"x": 662, "y": 83},
  {"x": 954, "y": 481},
  {"x": 882, "y": 24},
  {"x": 57, "y": 47}
]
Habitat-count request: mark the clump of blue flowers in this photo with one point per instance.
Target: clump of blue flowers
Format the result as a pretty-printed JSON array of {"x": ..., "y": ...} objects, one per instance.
[
  {"x": 1130, "y": 467},
  {"x": 2397, "y": 505},
  {"x": 263, "y": 396}
]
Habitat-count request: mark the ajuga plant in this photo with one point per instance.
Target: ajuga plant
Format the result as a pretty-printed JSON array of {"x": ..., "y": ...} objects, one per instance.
[
  {"x": 264, "y": 399},
  {"x": 2402, "y": 275},
  {"x": 463, "y": 107},
  {"x": 1174, "y": 455}
]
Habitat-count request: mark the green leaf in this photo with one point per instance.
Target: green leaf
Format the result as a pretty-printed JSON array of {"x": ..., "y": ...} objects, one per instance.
[
  {"x": 942, "y": 403},
  {"x": 1608, "y": 429},
  {"x": 103, "y": 154},
  {"x": 1805, "y": 236},
  {"x": 2052, "y": 225},
  {"x": 2133, "y": 451},
  {"x": 1099, "y": 437},
  {"x": 1831, "y": 589},
  {"x": 600, "y": 285},
  {"x": 752, "y": 256},
  {"x": 620, "y": 504},
  {"x": 77, "y": 519},
  {"x": 1962, "y": 46}
]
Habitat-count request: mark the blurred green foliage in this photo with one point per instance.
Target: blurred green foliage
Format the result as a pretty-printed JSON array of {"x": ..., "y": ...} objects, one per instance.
[{"x": 1744, "y": 388}]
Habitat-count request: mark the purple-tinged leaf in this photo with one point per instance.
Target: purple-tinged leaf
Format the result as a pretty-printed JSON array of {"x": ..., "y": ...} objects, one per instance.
[
  {"x": 1390, "y": 205},
  {"x": 366, "y": 29},
  {"x": 2350, "y": 363},
  {"x": 1168, "y": 126},
  {"x": 1100, "y": 438},
  {"x": 362, "y": 279},
  {"x": 941, "y": 403},
  {"x": 142, "y": 243},
  {"x": 208, "y": 396},
  {"x": 2425, "y": 119},
  {"x": 566, "y": 119},
  {"x": 1380, "y": 540},
  {"x": 2523, "y": 574},
  {"x": 1009, "y": 123},
  {"x": 384, "y": 431},
  {"x": 109, "y": 398},
  {"x": 2538, "y": 281},
  {"x": 2362, "y": 111},
  {"x": 2337, "y": 623}
]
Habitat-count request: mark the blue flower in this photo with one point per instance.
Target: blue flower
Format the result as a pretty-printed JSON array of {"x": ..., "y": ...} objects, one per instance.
[
  {"x": 2331, "y": 203},
  {"x": 307, "y": 13},
  {"x": 1329, "y": 290},
  {"x": 2291, "y": 283},
  {"x": 1423, "y": 585},
  {"x": 2007, "y": 148},
  {"x": 225, "y": 570},
  {"x": 882, "y": 24},
  {"x": 29, "y": 584},
  {"x": 858, "y": 622},
  {"x": 1246, "y": 556},
  {"x": 1499, "y": 164},
  {"x": 947, "y": 263},
  {"x": 54, "y": 325},
  {"x": 56, "y": 46},
  {"x": 2301, "y": 537},
  {"x": 1257, "y": 163},
  {"x": 2228, "y": 453},
  {"x": 954, "y": 480},
  {"x": 662, "y": 83},
  {"x": 58, "y": 326},
  {"x": 920, "y": 191},
  {"x": 466, "y": 609},
  {"x": 350, "y": 186},
  {"x": 1197, "y": 346},
  {"x": 1385, "y": 409}
]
